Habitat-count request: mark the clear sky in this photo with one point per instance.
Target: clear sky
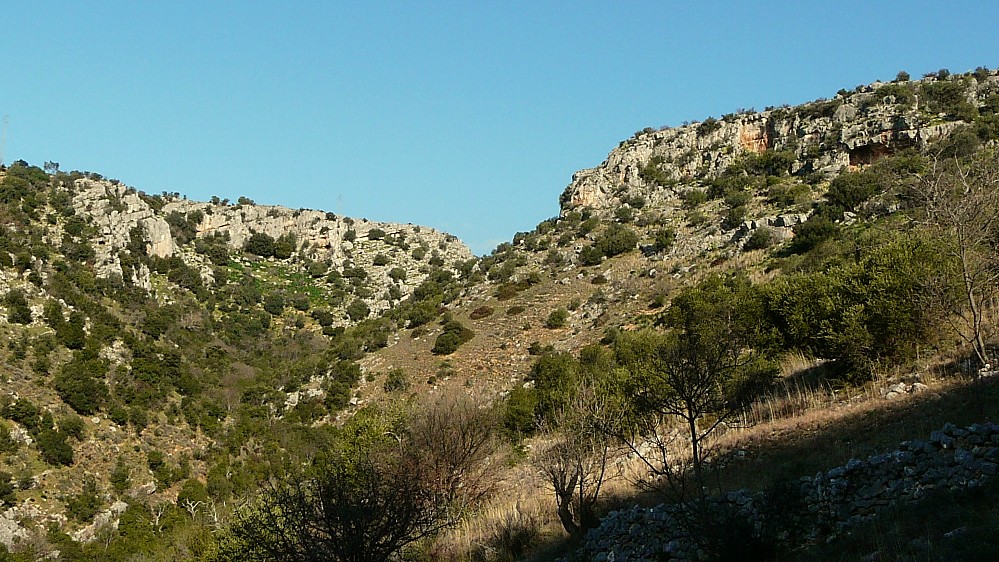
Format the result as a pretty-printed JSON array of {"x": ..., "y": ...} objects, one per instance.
[{"x": 469, "y": 116}]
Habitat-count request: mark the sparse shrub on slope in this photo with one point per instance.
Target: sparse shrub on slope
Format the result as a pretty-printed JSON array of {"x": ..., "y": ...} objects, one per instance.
[{"x": 453, "y": 336}]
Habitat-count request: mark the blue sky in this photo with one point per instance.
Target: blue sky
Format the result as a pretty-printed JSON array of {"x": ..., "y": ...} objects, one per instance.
[{"x": 466, "y": 116}]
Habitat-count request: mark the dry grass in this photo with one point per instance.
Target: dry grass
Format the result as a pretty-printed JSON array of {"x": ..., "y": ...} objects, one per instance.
[
  {"x": 517, "y": 521},
  {"x": 800, "y": 430}
]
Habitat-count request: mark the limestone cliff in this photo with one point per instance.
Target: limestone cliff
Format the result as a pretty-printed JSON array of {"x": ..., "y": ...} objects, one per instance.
[
  {"x": 115, "y": 210},
  {"x": 824, "y": 137}
]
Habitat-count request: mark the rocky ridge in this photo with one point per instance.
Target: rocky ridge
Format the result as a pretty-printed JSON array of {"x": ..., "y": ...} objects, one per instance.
[
  {"x": 336, "y": 241},
  {"x": 824, "y": 137}
]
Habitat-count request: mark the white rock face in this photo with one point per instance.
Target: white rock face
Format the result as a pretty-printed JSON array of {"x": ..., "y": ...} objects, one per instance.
[
  {"x": 117, "y": 211},
  {"x": 824, "y": 136}
]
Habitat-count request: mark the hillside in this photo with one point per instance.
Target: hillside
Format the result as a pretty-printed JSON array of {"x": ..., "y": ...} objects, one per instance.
[{"x": 165, "y": 358}]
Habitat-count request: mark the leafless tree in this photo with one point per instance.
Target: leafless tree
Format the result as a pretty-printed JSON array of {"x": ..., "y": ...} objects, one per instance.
[
  {"x": 192, "y": 507},
  {"x": 961, "y": 203},
  {"x": 574, "y": 460},
  {"x": 454, "y": 439},
  {"x": 157, "y": 511},
  {"x": 377, "y": 492}
]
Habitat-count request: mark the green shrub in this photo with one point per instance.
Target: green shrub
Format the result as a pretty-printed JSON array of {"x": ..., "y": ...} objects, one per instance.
[
  {"x": 453, "y": 336},
  {"x": 358, "y": 310},
  {"x": 18, "y": 311},
  {"x": 708, "y": 126},
  {"x": 850, "y": 189},
  {"x": 79, "y": 386},
  {"x": 665, "y": 237},
  {"x": 947, "y": 97},
  {"x": 760, "y": 239},
  {"x": 54, "y": 449},
  {"x": 766, "y": 163},
  {"x": 7, "y": 496},
  {"x": 557, "y": 319},
  {"x": 786, "y": 194},
  {"x": 733, "y": 218},
  {"x": 902, "y": 94},
  {"x": 285, "y": 246},
  {"x": 617, "y": 239},
  {"x": 73, "y": 426},
  {"x": 396, "y": 381},
  {"x": 518, "y": 413},
  {"x": 7, "y": 442},
  {"x": 624, "y": 214},
  {"x": 811, "y": 233},
  {"x": 738, "y": 198},
  {"x": 120, "y": 477},
  {"x": 693, "y": 198},
  {"x": 192, "y": 492},
  {"x": 590, "y": 255},
  {"x": 652, "y": 173},
  {"x": 85, "y": 505},
  {"x": 274, "y": 304},
  {"x": 260, "y": 244}
]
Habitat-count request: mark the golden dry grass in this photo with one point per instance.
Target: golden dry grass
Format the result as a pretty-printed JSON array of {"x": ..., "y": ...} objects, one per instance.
[{"x": 794, "y": 432}]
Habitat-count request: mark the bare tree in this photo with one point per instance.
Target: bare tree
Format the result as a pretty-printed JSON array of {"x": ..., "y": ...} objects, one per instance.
[
  {"x": 454, "y": 440},
  {"x": 574, "y": 460},
  {"x": 353, "y": 506},
  {"x": 381, "y": 489},
  {"x": 961, "y": 199}
]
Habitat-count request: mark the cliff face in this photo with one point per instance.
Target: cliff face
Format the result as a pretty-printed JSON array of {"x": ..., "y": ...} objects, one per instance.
[{"x": 824, "y": 137}]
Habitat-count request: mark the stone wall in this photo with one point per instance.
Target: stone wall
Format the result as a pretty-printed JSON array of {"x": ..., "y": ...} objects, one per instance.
[{"x": 827, "y": 504}]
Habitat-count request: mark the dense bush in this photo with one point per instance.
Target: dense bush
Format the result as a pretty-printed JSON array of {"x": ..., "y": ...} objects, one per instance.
[
  {"x": 358, "y": 310},
  {"x": 79, "y": 384},
  {"x": 708, "y": 126},
  {"x": 453, "y": 336},
  {"x": 850, "y": 189},
  {"x": 260, "y": 244},
  {"x": 858, "y": 312},
  {"x": 811, "y": 233},
  {"x": 18, "y": 311},
  {"x": 557, "y": 319},
  {"x": 760, "y": 239},
  {"x": 948, "y": 97},
  {"x": 617, "y": 239},
  {"x": 693, "y": 198}
]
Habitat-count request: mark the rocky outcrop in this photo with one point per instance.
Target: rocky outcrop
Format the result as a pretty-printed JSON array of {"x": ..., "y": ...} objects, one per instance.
[
  {"x": 855, "y": 128},
  {"x": 116, "y": 210}
]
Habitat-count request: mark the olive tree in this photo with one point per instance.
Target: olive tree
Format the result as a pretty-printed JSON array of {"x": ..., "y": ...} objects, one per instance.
[{"x": 689, "y": 379}]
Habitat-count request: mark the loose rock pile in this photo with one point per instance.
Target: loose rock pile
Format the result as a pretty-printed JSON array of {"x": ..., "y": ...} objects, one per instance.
[{"x": 826, "y": 504}]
